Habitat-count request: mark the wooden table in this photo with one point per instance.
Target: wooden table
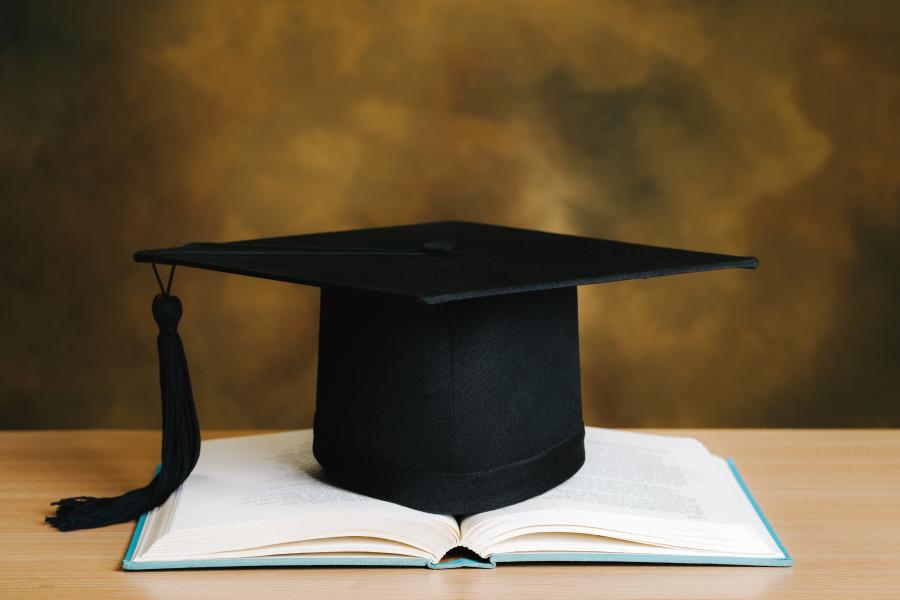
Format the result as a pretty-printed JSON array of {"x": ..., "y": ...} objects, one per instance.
[{"x": 832, "y": 495}]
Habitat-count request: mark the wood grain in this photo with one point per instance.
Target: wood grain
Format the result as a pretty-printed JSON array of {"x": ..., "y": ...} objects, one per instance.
[{"x": 832, "y": 495}]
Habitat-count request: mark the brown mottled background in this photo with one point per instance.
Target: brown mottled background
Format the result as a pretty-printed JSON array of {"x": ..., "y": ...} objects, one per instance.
[{"x": 766, "y": 128}]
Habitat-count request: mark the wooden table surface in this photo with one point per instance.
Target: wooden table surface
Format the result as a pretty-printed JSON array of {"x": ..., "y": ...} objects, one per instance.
[{"x": 833, "y": 496}]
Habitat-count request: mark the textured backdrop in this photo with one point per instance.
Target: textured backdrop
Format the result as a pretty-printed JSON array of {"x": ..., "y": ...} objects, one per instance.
[{"x": 770, "y": 129}]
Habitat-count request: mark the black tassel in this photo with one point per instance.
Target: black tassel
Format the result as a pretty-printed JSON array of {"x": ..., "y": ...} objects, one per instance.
[{"x": 180, "y": 440}]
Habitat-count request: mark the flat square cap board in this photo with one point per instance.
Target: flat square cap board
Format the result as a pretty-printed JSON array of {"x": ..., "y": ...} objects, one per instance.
[
  {"x": 448, "y": 370},
  {"x": 486, "y": 260}
]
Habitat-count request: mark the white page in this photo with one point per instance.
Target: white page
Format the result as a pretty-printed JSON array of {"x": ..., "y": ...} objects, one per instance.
[
  {"x": 574, "y": 542},
  {"x": 255, "y": 491},
  {"x": 753, "y": 518},
  {"x": 550, "y": 539},
  {"x": 631, "y": 482},
  {"x": 344, "y": 546},
  {"x": 259, "y": 478}
]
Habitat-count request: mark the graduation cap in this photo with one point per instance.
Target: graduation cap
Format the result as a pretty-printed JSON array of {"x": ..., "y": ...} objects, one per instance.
[{"x": 448, "y": 370}]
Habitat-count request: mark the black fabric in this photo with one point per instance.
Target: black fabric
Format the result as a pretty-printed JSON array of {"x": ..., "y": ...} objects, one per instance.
[
  {"x": 457, "y": 408},
  {"x": 487, "y": 260}
]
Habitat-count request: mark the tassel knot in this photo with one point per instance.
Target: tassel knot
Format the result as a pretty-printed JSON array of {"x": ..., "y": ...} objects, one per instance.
[{"x": 166, "y": 310}]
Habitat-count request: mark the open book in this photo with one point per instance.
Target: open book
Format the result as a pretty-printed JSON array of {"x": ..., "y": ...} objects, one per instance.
[{"x": 263, "y": 500}]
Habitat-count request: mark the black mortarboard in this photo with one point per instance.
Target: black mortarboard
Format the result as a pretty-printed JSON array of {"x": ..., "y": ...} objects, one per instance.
[{"x": 448, "y": 373}]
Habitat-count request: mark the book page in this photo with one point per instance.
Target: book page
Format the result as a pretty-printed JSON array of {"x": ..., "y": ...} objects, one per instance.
[
  {"x": 645, "y": 488},
  {"x": 268, "y": 490},
  {"x": 259, "y": 478}
]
